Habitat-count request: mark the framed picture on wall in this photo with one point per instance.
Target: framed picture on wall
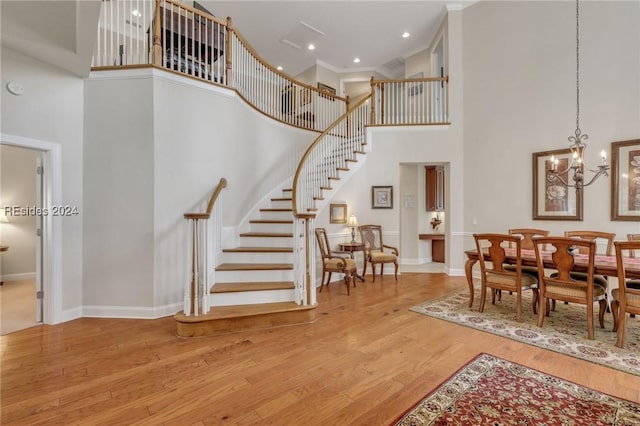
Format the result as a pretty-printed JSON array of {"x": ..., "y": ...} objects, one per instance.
[
  {"x": 338, "y": 213},
  {"x": 326, "y": 91},
  {"x": 625, "y": 180},
  {"x": 382, "y": 197},
  {"x": 553, "y": 201}
]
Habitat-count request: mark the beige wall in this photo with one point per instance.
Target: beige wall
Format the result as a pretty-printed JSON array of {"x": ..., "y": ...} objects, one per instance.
[
  {"x": 520, "y": 98},
  {"x": 18, "y": 188}
]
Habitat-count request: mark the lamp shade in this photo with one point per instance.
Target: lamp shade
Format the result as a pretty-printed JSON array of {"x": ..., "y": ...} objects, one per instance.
[{"x": 352, "y": 221}]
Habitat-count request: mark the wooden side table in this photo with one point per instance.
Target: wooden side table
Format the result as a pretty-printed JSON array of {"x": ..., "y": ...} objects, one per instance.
[{"x": 351, "y": 248}]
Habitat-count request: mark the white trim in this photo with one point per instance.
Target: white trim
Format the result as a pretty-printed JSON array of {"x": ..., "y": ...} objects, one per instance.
[
  {"x": 132, "y": 312},
  {"x": 145, "y": 73},
  {"x": 52, "y": 225},
  {"x": 18, "y": 277}
]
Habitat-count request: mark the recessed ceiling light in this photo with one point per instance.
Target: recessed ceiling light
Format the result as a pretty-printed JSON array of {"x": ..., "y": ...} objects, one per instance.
[
  {"x": 136, "y": 13},
  {"x": 311, "y": 46},
  {"x": 405, "y": 35},
  {"x": 356, "y": 60},
  {"x": 279, "y": 68}
]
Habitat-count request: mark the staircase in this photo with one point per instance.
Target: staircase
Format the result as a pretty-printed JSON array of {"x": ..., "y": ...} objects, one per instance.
[{"x": 254, "y": 285}]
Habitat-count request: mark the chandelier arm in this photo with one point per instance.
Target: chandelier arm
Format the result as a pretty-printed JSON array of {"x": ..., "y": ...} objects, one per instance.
[
  {"x": 556, "y": 178},
  {"x": 597, "y": 174}
]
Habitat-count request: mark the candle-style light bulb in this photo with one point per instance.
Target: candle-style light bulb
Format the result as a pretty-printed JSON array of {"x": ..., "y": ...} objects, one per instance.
[{"x": 603, "y": 154}]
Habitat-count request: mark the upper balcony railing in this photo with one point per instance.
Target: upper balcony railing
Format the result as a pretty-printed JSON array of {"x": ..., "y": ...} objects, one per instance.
[
  {"x": 188, "y": 41},
  {"x": 185, "y": 40}
]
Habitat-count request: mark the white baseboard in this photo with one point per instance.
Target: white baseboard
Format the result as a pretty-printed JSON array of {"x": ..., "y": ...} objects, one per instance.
[
  {"x": 133, "y": 312},
  {"x": 18, "y": 277}
]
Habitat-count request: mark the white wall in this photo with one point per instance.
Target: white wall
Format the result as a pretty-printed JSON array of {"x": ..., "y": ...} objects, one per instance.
[
  {"x": 520, "y": 96},
  {"x": 156, "y": 147},
  {"x": 18, "y": 188},
  {"x": 51, "y": 110}
]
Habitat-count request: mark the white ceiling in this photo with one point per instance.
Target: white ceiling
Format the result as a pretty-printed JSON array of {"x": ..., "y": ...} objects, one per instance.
[
  {"x": 62, "y": 32},
  {"x": 370, "y": 30}
]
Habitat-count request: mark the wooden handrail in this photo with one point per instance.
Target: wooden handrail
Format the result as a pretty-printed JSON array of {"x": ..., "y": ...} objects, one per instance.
[
  {"x": 214, "y": 196},
  {"x": 205, "y": 15},
  {"x": 284, "y": 75},
  {"x": 311, "y": 147},
  {"x": 411, "y": 80}
]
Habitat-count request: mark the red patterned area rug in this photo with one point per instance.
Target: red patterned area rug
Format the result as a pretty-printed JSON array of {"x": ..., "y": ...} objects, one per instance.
[
  {"x": 564, "y": 331},
  {"x": 494, "y": 391}
]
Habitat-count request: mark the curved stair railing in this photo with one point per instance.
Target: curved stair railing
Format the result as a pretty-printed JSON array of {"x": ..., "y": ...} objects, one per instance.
[
  {"x": 278, "y": 95},
  {"x": 203, "y": 244},
  {"x": 322, "y": 163}
]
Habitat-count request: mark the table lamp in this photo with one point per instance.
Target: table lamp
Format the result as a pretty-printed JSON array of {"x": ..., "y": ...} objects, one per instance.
[{"x": 353, "y": 222}]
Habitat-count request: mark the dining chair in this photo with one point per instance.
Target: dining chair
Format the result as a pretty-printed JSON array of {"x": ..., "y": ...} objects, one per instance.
[
  {"x": 633, "y": 283},
  {"x": 375, "y": 251},
  {"x": 335, "y": 261},
  {"x": 596, "y": 236},
  {"x": 526, "y": 243},
  {"x": 494, "y": 275},
  {"x": 563, "y": 284},
  {"x": 626, "y": 299},
  {"x": 633, "y": 237}
]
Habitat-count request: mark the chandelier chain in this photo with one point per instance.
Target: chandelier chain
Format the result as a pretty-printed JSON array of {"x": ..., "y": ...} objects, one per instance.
[{"x": 577, "y": 68}]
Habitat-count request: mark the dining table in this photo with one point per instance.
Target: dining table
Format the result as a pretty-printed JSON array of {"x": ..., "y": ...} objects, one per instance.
[{"x": 603, "y": 265}]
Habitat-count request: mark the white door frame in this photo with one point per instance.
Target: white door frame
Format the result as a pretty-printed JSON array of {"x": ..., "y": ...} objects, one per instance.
[{"x": 52, "y": 225}]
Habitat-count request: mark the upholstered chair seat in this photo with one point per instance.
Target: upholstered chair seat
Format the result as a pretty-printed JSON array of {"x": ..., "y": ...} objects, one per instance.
[{"x": 375, "y": 251}]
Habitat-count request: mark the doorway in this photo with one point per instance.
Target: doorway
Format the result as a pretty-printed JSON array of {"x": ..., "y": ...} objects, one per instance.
[
  {"x": 20, "y": 263},
  {"x": 49, "y": 262}
]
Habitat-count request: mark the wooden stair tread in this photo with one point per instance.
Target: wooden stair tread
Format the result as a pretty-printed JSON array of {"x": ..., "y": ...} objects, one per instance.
[
  {"x": 258, "y": 250},
  {"x": 251, "y": 286},
  {"x": 270, "y": 221},
  {"x": 231, "y": 319},
  {"x": 267, "y": 234},
  {"x": 281, "y": 199},
  {"x": 254, "y": 266},
  {"x": 235, "y": 311},
  {"x": 276, "y": 210}
]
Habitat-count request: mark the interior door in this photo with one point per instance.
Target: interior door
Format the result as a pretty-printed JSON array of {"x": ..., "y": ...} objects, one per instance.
[{"x": 39, "y": 232}]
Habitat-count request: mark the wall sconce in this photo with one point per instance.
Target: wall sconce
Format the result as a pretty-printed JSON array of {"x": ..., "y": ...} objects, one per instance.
[{"x": 353, "y": 222}]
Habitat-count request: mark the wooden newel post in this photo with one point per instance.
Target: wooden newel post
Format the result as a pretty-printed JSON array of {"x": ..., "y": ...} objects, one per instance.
[
  {"x": 347, "y": 101},
  {"x": 191, "y": 304},
  {"x": 157, "y": 36},
  {"x": 227, "y": 55},
  {"x": 373, "y": 102}
]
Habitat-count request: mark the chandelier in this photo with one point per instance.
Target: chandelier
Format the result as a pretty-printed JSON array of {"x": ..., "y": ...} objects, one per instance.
[{"x": 574, "y": 175}]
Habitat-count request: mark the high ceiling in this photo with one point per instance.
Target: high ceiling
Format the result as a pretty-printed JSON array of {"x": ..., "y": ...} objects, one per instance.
[
  {"x": 280, "y": 31},
  {"x": 62, "y": 32}
]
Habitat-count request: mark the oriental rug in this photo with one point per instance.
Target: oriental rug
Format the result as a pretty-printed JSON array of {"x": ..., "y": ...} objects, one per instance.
[
  {"x": 564, "y": 331},
  {"x": 494, "y": 391}
]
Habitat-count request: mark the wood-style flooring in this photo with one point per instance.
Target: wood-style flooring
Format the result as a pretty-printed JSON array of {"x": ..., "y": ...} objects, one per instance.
[{"x": 364, "y": 361}]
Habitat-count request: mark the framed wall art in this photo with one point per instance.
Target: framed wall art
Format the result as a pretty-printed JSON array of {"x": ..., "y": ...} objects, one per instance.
[
  {"x": 553, "y": 201},
  {"x": 338, "y": 213},
  {"x": 382, "y": 197},
  {"x": 324, "y": 89},
  {"x": 625, "y": 180}
]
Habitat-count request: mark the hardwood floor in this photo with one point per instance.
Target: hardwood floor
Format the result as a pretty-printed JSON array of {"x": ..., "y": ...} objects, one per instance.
[{"x": 364, "y": 361}]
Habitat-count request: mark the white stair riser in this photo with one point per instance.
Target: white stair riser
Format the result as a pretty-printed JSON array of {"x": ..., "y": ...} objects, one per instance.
[
  {"x": 272, "y": 227},
  {"x": 245, "y": 257},
  {"x": 276, "y": 215},
  {"x": 253, "y": 276},
  {"x": 251, "y": 297},
  {"x": 266, "y": 242},
  {"x": 280, "y": 204}
]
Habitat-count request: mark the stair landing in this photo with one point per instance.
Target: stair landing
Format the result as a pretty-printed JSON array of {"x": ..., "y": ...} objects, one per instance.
[{"x": 229, "y": 319}]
